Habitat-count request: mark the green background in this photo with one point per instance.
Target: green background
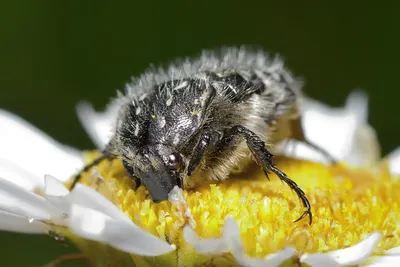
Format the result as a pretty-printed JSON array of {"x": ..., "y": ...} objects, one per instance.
[{"x": 55, "y": 53}]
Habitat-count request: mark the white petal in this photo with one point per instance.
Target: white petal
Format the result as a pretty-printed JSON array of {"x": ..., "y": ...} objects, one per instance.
[
  {"x": 58, "y": 195},
  {"x": 231, "y": 242},
  {"x": 98, "y": 125},
  {"x": 365, "y": 149},
  {"x": 321, "y": 124},
  {"x": 386, "y": 261},
  {"x": 18, "y": 175},
  {"x": 87, "y": 197},
  {"x": 277, "y": 258},
  {"x": 318, "y": 260},
  {"x": 343, "y": 132},
  {"x": 92, "y": 216},
  {"x": 358, "y": 253},
  {"x": 94, "y": 225},
  {"x": 357, "y": 104},
  {"x": 54, "y": 187},
  {"x": 14, "y": 223},
  {"x": 212, "y": 246},
  {"x": 273, "y": 260},
  {"x": 394, "y": 162},
  {"x": 231, "y": 235},
  {"x": 354, "y": 255},
  {"x": 393, "y": 251},
  {"x": 27, "y": 152},
  {"x": 17, "y": 200},
  {"x": 299, "y": 150}
]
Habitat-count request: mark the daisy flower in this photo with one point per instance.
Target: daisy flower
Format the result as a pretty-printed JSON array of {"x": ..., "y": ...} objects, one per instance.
[{"x": 245, "y": 221}]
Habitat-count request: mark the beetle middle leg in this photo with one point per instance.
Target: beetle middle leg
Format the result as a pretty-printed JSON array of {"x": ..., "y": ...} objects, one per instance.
[
  {"x": 207, "y": 140},
  {"x": 264, "y": 159}
]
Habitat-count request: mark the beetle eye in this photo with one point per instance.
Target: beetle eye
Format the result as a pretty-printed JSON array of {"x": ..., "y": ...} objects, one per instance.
[{"x": 175, "y": 162}]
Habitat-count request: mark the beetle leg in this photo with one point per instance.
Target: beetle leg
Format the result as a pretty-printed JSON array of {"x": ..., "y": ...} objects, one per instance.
[
  {"x": 206, "y": 140},
  {"x": 264, "y": 159},
  {"x": 198, "y": 153},
  {"x": 129, "y": 171}
]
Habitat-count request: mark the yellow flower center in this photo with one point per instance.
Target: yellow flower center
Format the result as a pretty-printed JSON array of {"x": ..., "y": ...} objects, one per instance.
[{"x": 347, "y": 205}]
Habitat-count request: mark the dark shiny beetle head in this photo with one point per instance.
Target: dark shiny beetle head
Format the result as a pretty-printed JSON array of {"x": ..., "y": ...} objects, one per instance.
[{"x": 158, "y": 173}]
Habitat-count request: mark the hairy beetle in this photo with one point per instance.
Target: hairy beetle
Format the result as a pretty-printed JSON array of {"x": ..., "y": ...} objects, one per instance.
[{"x": 202, "y": 118}]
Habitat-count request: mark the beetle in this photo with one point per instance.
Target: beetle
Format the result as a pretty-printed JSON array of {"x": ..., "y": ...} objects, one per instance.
[{"x": 200, "y": 119}]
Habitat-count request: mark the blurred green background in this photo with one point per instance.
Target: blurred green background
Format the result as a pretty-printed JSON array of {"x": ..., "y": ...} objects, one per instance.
[{"x": 55, "y": 53}]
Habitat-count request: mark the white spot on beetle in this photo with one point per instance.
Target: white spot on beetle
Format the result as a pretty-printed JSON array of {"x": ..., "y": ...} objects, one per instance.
[
  {"x": 161, "y": 122},
  {"x": 138, "y": 110},
  {"x": 137, "y": 128},
  {"x": 120, "y": 123},
  {"x": 143, "y": 97},
  {"x": 181, "y": 85},
  {"x": 196, "y": 101},
  {"x": 176, "y": 140},
  {"x": 205, "y": 96},
  {"x": 170, "y": 98},
  {"x": 232, "y": 88}
]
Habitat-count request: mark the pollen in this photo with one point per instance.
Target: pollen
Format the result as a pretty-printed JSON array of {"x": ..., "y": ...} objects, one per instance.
[{"x": 347, "y": 205}]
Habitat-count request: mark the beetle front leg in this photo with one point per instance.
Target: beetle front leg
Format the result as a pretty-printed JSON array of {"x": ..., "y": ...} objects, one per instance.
[
  {"x": 264, "y": 159},
  {"x": 131, "y": 174}
]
